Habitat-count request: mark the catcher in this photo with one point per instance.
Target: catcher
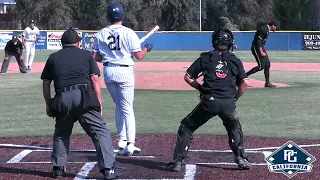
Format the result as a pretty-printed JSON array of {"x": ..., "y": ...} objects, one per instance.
[{"x": 224, "y": 82}]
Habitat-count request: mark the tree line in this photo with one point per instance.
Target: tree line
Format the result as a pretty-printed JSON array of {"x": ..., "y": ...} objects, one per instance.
[{"x": 171, "y": 15}]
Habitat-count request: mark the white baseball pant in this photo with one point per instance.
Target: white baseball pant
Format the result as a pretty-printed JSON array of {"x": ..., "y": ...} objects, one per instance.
[
  {"x": 120, "y": 83},
  {"x": 29, "y": 54}
]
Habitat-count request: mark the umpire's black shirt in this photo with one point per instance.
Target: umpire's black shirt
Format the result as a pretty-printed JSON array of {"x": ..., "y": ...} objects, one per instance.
[
  {"x": 222, "y": 72},
  {"x": 70, "y": 66},
  {"x": 261, "y": 36},
  {"x": 13, "y": 49}
]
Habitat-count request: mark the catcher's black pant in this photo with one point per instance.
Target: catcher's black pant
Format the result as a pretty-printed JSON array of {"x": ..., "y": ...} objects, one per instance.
[
  {"x": 205, "y": 110},
  {"x": 6, "y": 62}
]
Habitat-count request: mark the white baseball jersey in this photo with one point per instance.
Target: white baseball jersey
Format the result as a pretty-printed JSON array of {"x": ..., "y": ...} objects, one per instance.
[
  {"x": 31, "y": 34},
  {"x": 116, "y": 44}
]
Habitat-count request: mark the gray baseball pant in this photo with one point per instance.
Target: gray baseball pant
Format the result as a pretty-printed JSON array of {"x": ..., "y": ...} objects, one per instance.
[{"x": 92, "y": 123}]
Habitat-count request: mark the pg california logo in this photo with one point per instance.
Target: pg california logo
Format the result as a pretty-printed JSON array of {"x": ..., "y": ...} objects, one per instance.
[{"x": 289, "y": 160}]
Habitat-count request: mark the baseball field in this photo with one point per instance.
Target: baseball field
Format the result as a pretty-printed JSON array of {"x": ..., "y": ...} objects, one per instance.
[{"x": 270, "y": 117}]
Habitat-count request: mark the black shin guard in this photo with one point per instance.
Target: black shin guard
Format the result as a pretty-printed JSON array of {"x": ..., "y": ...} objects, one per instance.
[
  {"x": 184, "y": 137},
  {"x": 236, "y": 138}
]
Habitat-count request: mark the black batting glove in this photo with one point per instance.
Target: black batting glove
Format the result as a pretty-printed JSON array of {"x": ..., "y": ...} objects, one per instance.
[{"x": 149, "y": 47}]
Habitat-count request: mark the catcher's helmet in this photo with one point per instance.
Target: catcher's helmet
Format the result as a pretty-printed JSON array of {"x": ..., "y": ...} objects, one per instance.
[
  {"x": 222, "y": 39},
  {"x": 115, "y": 12}
]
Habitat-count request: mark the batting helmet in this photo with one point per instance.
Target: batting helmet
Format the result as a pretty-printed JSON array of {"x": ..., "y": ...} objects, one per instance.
[
  {"x": 222, "y": 39},
  {"x": 115, "y": 12}
]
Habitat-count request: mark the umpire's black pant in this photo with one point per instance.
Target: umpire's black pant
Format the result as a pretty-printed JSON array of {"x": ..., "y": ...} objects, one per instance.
[
  {"x": 6, "y": 62},
  {"x": 92, "y": 123}
]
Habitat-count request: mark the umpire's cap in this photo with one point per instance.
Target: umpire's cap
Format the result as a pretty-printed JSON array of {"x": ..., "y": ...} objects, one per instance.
[
  {"x": 115, "y": 12},
  {"x": 222, "y": 39},
  {"x": 70, "y": 36}
]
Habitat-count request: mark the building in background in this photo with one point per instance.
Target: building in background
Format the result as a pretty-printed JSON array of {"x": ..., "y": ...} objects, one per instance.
[
  {"x": 8, "y": 19},
  {"x": 5, "y": 4}
]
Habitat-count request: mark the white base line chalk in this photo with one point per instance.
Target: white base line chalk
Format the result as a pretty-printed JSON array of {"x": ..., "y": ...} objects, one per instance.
[
  {"x": 224, "y": 163},
  {"x": 190, "y": 173},
  {"x": 220, "y": 151},
  {"x": 85, "y": 170},
  {"x": 253, "y": 150},
  {"x": 17, "y": 158}
]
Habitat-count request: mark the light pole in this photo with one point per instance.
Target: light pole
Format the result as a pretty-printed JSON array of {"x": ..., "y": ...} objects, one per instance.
[{"x": 200, "y": 14}]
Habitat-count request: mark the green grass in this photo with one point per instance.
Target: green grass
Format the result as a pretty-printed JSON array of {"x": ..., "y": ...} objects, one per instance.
[
  {"x": 284, "y": 112},
  {"x": 180, "y": 56}
]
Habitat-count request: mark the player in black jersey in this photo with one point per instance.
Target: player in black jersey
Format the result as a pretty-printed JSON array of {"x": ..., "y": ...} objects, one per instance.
[
  {"x": 259, "y": 52},
  {"x": 224, "y": 82}
]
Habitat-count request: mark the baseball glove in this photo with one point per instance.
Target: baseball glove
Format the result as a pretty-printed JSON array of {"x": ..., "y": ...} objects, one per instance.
[{"x": 98, "y": 57}]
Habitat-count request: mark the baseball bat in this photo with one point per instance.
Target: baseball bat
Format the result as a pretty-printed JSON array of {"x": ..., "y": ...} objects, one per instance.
[{"x": 156, "y": 28}]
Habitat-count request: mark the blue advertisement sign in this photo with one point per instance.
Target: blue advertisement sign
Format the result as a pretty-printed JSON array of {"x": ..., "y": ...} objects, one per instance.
[
  {"x": 88, "y": 40},
  {"x": 41, "y": 42}
]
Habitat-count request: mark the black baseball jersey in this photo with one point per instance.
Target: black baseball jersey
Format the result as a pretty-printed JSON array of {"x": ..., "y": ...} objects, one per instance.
[
  {"x": 13, "y": 49},
  {"x": 261, "y": 36},
  {"x": 222, "y": 72},
  {"x": 70, "y": 66}
]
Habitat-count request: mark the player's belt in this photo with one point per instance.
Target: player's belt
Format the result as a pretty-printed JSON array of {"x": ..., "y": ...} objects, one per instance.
[{"x": 121, "y": 65}]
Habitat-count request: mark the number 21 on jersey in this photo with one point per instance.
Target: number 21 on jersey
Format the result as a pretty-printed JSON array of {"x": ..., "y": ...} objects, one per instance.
[{"x": 114, "y": 42}]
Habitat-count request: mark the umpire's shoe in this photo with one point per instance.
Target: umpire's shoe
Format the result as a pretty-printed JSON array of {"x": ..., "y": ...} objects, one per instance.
[
  {"x": 242, "y": 163},
  {"x": 113, "y": 173},
  {"x": 58, "y": 171}
]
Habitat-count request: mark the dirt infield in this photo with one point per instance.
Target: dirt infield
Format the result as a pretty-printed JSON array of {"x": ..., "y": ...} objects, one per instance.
[{"x": 209, "y": 158}]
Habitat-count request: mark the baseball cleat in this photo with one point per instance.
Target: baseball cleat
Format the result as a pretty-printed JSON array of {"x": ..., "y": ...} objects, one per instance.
[
  {"x": 122, "y": 144},
  {"x": 58, "y": 172},
  {"x": 270, "y": 85},
  {"x": 129, "y": 150},
  {"x": 174, "y": 166},
  {"x": 113, "y": 173},
  {"x": 242, "y": 163}
]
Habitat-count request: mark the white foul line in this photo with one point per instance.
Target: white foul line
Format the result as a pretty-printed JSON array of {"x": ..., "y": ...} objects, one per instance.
[
  {"x": 49, "y": 162},
  {"x": 217, "y": 151},
  {"x": 269, "y": 148},
  {"x": 190, "y": 173},
  {"x": 45, "y": 148},
  {"x": 252, "y": 150},
  {"x": 85, "y": 170},
  {"x": 17, "y": 158},
  {"x": 225, "y": 163}
]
